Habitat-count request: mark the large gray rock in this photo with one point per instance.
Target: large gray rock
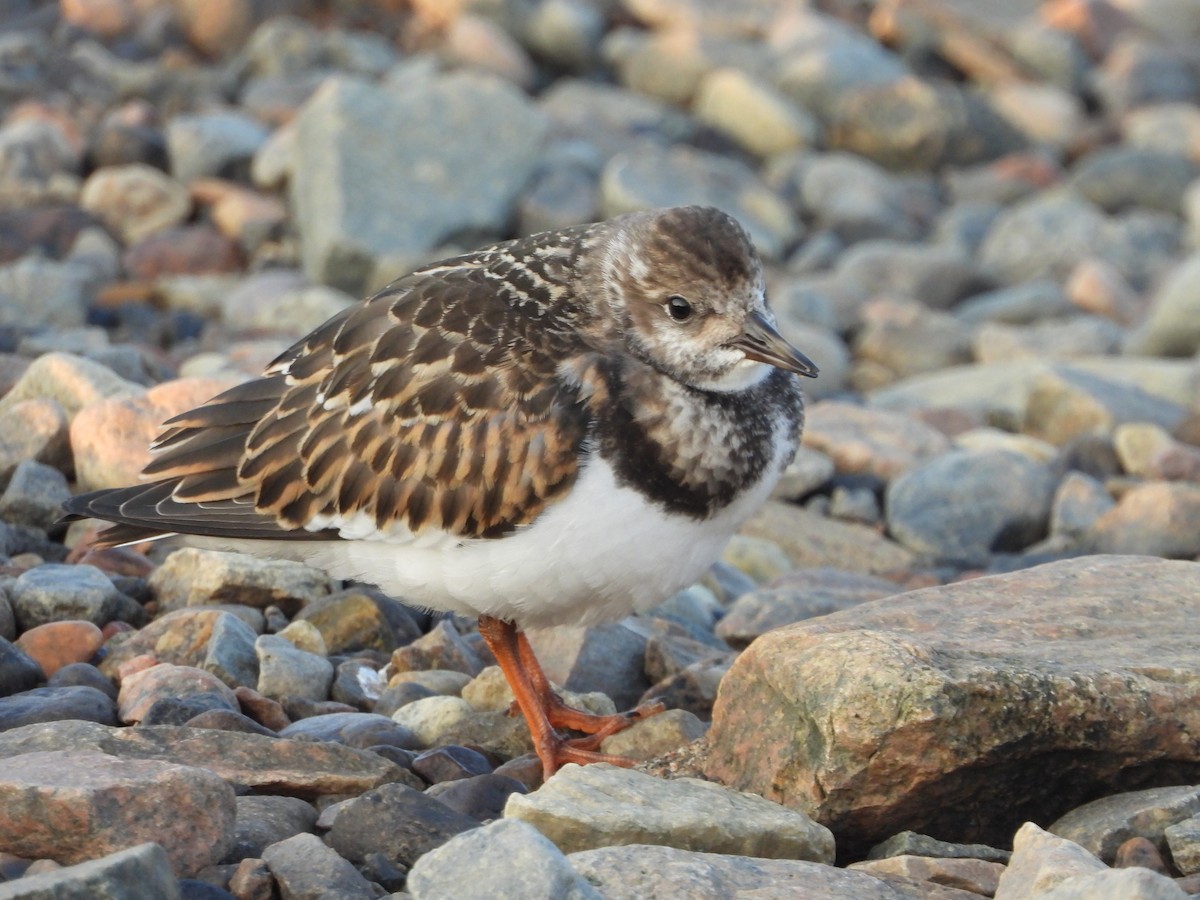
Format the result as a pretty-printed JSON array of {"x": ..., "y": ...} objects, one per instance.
[
  {"x": 583, "y": 807},
  {"x": 950, "y": 710},
  {"x": 453, "y": 151},
  {"x": 504, "y": 859}
]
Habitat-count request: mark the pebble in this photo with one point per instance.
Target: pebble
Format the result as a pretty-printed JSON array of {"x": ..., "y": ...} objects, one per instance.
[
  {"x": 19, "y": 671},
  {"x": 302, "y": 768},
  {"x": 286, "y": 671},
  {"x": 657, "y": 735},
  {"x": 482, "y": 797},
  {"x": 142, "y": 692},
  {"x": 632, "y": 872},
  {"x": 507, "y": 858},
  {"x": 874, "y": 442},
  {"x": 1170, "y": 328},
  {"x": 354, "y": 729},
  {"x": 755, "y": 115},
  {"x": 397, "y": 821},
  {"x": 445, "y": 186},
  {"x": 1119, "y": 178},
  {"x": 798, "y": 595},
  {"x": 51, "y": 704},
  {"x": 582, "y": 807},
  {"x": 858, "y": 200},
  {"x": 452, "y": 720},
  {"x": 653, "y": 176},
  {"x": 40, "y": 292},
  {"x": 1183, "y": 839},
  {"x": 964, "y": 506},
  {"x": 1079, "y": 501},
  {"x": 450, "y": 764},
  {"x": 194, "y": 577},
  {"x": 34, "y": 495},
  {"x": 183, "y": 250},
  {"x": 57, "y": 592},
  {"x": 215, "y": 144},
  {"x": 33, "y": 430},
  {"x": 360, "y": 618},
  {"x": 1158, "y": 518},
  {"x": 136, "y": 200},
  {"x": 604, "y": 658},
  {"x": 303, "y": 866},
  {"x": 56, "y": 645},
  {"x": 263, "y": 821}
]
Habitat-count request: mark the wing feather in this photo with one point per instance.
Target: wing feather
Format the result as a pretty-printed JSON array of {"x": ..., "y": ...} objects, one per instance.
[{"x": 436, "y": 405}]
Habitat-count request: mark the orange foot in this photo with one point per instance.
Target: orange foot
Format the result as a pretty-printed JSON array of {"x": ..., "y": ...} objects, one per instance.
[{"x": 545, "y": 711}]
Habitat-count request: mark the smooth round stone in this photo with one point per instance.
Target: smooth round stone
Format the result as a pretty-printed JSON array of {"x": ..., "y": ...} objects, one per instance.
[
  {"x": 52, "y": 704},
  {"x": 83, "y": 674},
  {"x": 174, "y": 687},
  {"x": 262, "y": 821},
  {"x": 1118, "y": 178},
  {"x": 450, "y": 763},
  {"x": 395, "y": 696},
  {"x": 18, "y": 672},
  {"x": 357, "y": 684},
  {"x": 135, "y": 200},
  {"x": 354, "y": 729},
  {"x": 962, "y": 507},
  {"x": 57, "y": 592},
  {"x": 57, "y": 644},
  {"x": 286, "y": 671},
  {"x": 481, "y": 797},
  {"x": 183, "y": 710},
  {"x": 34, "y": 495}
]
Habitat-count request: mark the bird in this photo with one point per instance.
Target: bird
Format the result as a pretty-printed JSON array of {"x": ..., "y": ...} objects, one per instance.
[{"x": 564, "y": 428}]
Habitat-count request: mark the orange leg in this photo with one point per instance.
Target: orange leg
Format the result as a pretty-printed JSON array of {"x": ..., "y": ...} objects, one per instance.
[
  {"x": 563, "y": 716},
  {"x": 552, "y": 748}
]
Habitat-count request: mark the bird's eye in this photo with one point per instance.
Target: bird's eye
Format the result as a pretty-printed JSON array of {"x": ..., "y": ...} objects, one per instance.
[{"x": 678, "y": 308}]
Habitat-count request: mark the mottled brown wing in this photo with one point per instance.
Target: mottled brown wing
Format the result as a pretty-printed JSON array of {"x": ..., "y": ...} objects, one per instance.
[{"x": 436, "y": 405}]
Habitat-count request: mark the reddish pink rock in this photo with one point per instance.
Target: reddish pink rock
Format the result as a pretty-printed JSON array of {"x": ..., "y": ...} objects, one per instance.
[
  {"x": 72, "y": 806},
  {"x": 112, "y": 437},
  {"x": 190, "y": 250},
  {"x": 143, "y": 689},
  {"x": 58, "y": 644},
  {"x": 131, "y": 667}
]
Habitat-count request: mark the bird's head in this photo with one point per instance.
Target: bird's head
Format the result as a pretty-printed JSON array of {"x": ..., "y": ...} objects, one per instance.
[{"x": 684, "y": 292}]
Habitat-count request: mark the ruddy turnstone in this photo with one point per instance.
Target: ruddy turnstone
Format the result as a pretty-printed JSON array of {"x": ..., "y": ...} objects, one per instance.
[{"x": 558, "y": 429}]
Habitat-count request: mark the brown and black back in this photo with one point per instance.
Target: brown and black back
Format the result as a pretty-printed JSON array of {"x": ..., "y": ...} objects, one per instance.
[{"x": 436, "y": 405}]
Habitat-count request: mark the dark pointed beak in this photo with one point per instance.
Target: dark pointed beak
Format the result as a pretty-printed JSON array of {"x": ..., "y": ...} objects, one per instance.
[{"x": 760, "y": 341}]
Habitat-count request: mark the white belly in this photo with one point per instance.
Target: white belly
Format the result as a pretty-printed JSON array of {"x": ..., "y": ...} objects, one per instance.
[{"x": 599, "y": 554}]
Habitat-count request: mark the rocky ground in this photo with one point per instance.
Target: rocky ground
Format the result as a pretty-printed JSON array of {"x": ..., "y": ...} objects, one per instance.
[{"x": 957, "y": 652}]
